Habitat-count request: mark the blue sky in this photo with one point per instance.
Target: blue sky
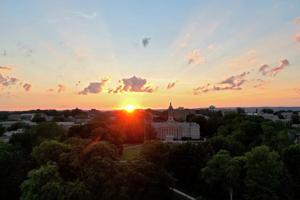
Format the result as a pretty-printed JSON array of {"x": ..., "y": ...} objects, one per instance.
[{"x": 60, "y": 47}]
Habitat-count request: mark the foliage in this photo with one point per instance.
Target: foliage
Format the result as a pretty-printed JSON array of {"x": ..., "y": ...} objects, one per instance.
[
  {"x": 291, "y": 159},
  {"x": 244, "y": 157},
  {"x": 263, "y": 175},
  {"x": 223, "y": 169},
  {"x": 2, "y": 130}
]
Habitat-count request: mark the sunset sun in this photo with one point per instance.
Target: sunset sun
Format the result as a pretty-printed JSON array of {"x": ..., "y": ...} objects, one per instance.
[{"x": 129, "y": 108}]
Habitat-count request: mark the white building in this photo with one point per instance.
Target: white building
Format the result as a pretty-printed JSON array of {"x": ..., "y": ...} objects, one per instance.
[{"x": 172, "y": 130}]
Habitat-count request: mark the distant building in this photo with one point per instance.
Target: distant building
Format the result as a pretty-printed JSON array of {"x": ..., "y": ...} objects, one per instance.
[
  {"x": 7, "y": 135},
  {"x": 66, "y": 125},
  {"x": 173, "y": 130},
  {"x": 27, "y": 116},
  {"x": 287, "y": 115},
  {"x": 269, "y": 116}
]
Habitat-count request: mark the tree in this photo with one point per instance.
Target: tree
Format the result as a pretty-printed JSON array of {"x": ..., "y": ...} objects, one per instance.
[
  {"x": 14, "y": 165},
  {"x": 38, "y": 118},
  {"x": 48, "y": 130},
  {"x": 275, "y": 138},
  {"x": 144, "y": 180},
  {"x": 267, "y": 110},
  {"x": 295, "y": 118},
  {"x": 224, "y": 169},
  {"x": 49, "y": 150},
  {"x": 45, "y": 183},
  {"x": 291, "y": 159},
  {"x": 2, "y": 130},
  {"x": 156, "y": 152},
  {"x": 263, "y": 174}
]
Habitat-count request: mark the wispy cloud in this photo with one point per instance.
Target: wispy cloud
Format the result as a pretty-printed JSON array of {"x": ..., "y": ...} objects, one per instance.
[
  {"x": 297, "y": 21},
  {"x": 132, "y": 84},
  {"x": 266, "y": 70},
  {"x": 146, "y": 41},
  {"x": 61, "y": 88},
  {"x": 171, "y": 85},
  {"x": 7, "y": 81},
  {"x": 5, "y": 68},
  {"x": 259, "y": 83},
  {"x": 27, "y": 87},
  {"x": 297, "y": 37},
  {"x": 94, "y": 87},
  {"x": 234, "y": 82},
  {"x": 195, "y": 57}
]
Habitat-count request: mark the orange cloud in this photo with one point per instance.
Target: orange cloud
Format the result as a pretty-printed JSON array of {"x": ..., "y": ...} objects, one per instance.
[{"x": 5, "y": 68}]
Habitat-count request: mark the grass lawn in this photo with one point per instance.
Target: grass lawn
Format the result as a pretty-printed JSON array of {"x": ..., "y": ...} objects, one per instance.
[{"x": 132, "y": 151}]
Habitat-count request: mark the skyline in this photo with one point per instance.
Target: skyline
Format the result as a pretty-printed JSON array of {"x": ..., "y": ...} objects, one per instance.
[{"x": 106, "y": 55}]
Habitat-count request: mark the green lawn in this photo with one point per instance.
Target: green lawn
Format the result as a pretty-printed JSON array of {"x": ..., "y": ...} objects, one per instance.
[{"x": 132, "y": 151}]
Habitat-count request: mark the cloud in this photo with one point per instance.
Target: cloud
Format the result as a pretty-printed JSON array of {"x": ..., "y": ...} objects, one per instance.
[
  {"x": 94, "y": 87},
  {"x": 297, "y": 21},
  {"x": 234, "y": 82},
  {"x": 201, "y": 89},
  {"x": 5, "y": 68},
  {"x": 61, "y": 88},
  {"x": 297, "y": 37},
  {"x": 231, "y": 83},
  {"x": 27, "y": 87},
  {"x": 259, "y": 83},
  {"x": 133, "y": 84},
  {"x": 146, "y": 41},
  {"x": 266, "y": 70},
  {"x": 171, "y": 85},
  {"x": 195, "y": 57},
  {"x": 7, "y": 81}
]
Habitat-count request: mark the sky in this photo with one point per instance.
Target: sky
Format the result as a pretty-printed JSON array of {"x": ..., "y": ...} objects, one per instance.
[{"x": 62, "y": 54}]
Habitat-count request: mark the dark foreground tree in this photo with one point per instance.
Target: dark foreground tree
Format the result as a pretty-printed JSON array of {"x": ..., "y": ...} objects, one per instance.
[
  {"x": 263, "y": 174},
  {"x": 45, "y": 183},
  {"x": 223, "y": 169}
]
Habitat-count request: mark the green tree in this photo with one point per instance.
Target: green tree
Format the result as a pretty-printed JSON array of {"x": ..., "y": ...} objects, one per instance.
[
  {"x": 38, "y": 118},
  {"x": 291, "y": 159},
  {"x": 156, "y": 152},
  {"x": 224, "y": 169},
  {"x": 295, "y": 118},
  {"x": 263, "y": 174},
  {"x": 2, "y": 130},
  {"x": 14, "y": 165},
  {"x": 45, "y": 183},
  {"x": 144, "y": 180},
  {"x": 49, "y": 150}
]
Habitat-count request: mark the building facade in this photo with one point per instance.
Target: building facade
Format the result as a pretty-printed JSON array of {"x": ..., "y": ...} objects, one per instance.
[{"x": 173, "y": 130}]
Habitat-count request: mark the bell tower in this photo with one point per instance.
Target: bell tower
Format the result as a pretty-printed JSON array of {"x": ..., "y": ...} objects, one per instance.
[{"x": 170, "y": 113}]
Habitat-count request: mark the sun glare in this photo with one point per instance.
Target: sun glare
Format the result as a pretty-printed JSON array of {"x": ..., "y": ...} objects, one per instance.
[{"x": 129, "y": 108}]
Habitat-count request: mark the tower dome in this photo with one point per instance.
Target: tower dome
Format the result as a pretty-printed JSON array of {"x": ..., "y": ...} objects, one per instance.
[{"x": 170, "y": 113}]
